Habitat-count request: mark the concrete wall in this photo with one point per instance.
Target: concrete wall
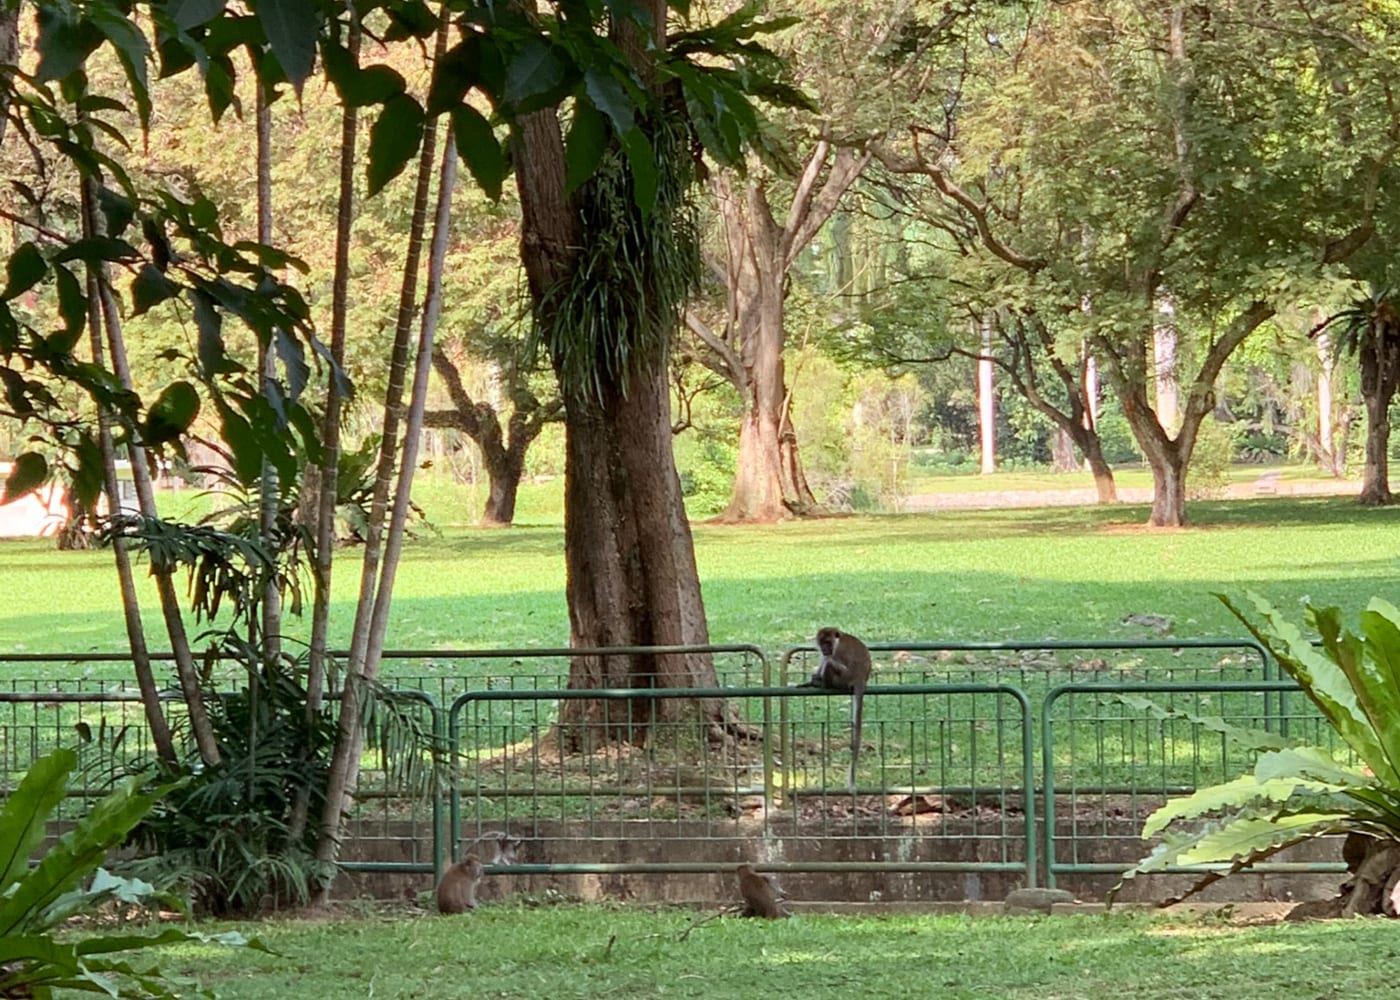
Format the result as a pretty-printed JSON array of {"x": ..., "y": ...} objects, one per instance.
[{"x": 956, "y": 840}]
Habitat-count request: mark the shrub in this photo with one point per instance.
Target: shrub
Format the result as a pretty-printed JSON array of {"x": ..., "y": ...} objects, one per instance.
[
  {"x": 1297, "y": 793},
  {"x": 35, "y": 902}
]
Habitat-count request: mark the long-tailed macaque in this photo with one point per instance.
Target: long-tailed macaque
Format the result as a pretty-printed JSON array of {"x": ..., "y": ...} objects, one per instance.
[
  {"x": 762, "y": 897},
  {"x": 844, "y": 666},
  {"x": 456, "y": 893}
]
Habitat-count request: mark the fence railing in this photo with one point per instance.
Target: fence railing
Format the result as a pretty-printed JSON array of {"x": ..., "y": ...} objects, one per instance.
[{"x": 951, "y": 777}]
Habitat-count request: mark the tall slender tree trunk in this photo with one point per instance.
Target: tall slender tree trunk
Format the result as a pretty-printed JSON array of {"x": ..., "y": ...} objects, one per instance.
[
  {"x": 364, "y": 657},
  {"x": 1329, "y": 456},
  {"x": 1375, "y": 478},
  {"x": 986, "y": 403},
  {"x": 268, "y": 498},
  {"x": 186, "y": 673},
  {"x": 161, "y": 739}
]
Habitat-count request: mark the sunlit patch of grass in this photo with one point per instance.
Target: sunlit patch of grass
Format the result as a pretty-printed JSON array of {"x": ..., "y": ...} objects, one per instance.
[
  {"x": 965, "y": 575},
  {"x": 618, "y": 951}
]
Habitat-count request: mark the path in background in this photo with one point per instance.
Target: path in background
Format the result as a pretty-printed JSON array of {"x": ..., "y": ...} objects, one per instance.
[{"x": 1263, "y": 486}]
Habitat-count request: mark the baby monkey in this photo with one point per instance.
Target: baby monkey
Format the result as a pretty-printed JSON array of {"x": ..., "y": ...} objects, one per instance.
[
  {"x": 844, "y": 666},
  {"x": 762, "y": 897},
  {"x": 456, "y": 893}
]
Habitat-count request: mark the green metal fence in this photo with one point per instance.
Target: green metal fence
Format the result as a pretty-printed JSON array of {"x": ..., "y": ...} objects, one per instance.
[
  {"x": 949, "y": 779},
  {"x": 716, "y": 797},
  {"x": 1113, "y": 753}
]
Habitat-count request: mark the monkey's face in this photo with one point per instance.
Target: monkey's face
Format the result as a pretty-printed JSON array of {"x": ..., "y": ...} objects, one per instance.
[{"x": 827, "y": 639}]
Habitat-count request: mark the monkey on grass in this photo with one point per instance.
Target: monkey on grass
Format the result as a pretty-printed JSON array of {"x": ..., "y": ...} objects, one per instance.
[
  {"x": 762, "y": 895},
  {"x": 456, "y": 893}
]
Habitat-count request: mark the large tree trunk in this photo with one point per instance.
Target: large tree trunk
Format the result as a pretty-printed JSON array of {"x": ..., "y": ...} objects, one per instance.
[
  {"x": 1375, "y": 480},
  {"x": 502, "y": 453},
  {"x": 632, "y": 578},
  {"x": 1380, "y": 372},
  {"x": 1104, "y": 484},
  {"x": 769, "y": 482}
]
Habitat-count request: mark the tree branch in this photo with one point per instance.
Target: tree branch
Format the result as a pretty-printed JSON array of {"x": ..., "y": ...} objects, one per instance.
[{"x": 919, "y": 164}]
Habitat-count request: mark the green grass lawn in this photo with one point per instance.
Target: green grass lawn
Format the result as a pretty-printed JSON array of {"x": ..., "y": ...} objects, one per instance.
[
  {"x": 975, "y": 575},
  {"x": 586, "y": 952}
]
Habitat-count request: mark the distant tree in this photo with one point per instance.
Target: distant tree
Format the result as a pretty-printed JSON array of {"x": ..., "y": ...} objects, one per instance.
[{"x": 1369, "y": 332}]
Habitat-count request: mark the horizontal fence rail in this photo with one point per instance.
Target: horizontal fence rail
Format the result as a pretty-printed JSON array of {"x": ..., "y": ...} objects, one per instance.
[{"x": 627, "y": 780}]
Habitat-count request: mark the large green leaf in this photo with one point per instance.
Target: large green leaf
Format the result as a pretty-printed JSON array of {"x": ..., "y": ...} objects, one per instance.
[
  {"x": 1239, "y": 838},
  {"x": 587, "y": 141},
  {"x": 393, "y": 139},
  {"x": 27, "y": 810},
  {"x": 538, "y": 76},
  {"x": 478, "y": 147},
  {"x": 291, "y": 26},
  {"x": 1243, "y": 792},
  {"x": 1250, "y": 739},
  {"x": 75, "y": 856},
  {"x": 1377, "y": 680},
  {"x": 171, "y": 414},
  {"x": 28, "y": 473},
  {"x": 65, "y": 41},
  {"x": 23, "y": 270},
  {"x": 1321, "y": 679},
  {"x": 192, "y": 13},
  {"x": 1310, "y": 763}
]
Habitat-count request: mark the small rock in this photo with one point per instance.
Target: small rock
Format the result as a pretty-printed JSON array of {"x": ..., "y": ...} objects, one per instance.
[{"x": 1035, "y": 900}]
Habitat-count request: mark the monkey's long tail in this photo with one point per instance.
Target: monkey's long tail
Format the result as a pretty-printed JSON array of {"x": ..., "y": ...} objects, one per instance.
[{"x": 859, "y": 699}]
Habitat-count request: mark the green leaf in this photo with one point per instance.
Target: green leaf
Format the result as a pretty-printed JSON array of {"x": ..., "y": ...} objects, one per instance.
[
  {"x": 72, "y": 305},
  {"x": 393, "y": 139},
  {"x": 1246, "y": 790},
  {"x": 641, "y": 159},
  {"x": 291, "y": 27},
  {"x": 213, "y": 357},
  {"x": 414, "y": 19},
  {"x": 23, "y": 270},
  {"x": 85, "y": 475},
  {"x": 117, "y": 210},
  {"x": 1251, "y": 739},
  {"x": 360, "y": 86},
  {"x": 293, "y": 358},
  {"x": 587, "y": 142},
  {"x": 171, "y": 414},
  {"x": 150, "y": 288},
  {"x": 219, "y": 85},
  {"x": 28, "y": 473},
  {"x": 1243, "y": 837},
  {"x": 189, "y": 14},
  {"x": 95, "y": 249},
  {"x": 479, "y": 149},
  {"x": 610, "y": 97},
  {"x": 27, "y": 808},
  {"x": 64, "y": 43},
  {"x": 76, "y": 854},
  {"x": 1310, "y": 763},
  {"x": 453, "y": 75},
  {"x": 536, "y": 78},
  {"x": 132, "y": 52},
  {"x": 243, "y": 447},
  {"x": 1321, "y": 678}
]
